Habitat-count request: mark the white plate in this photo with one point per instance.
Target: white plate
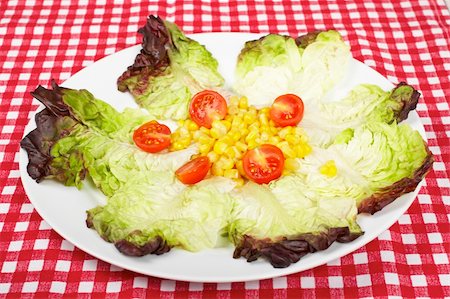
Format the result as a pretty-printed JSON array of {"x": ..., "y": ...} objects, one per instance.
[{"x": 64, "y": 208}]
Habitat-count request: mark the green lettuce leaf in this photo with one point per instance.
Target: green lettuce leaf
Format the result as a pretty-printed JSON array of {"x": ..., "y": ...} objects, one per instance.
[
  {"x": 170, "y": 69},
  {"x": 324, "y": 64},
  {"x": 376, "y": 160},
  {"x": 156, "y": 206},
  {"x": 276, "y": 65},
  {"x": 325, "y": 121}
]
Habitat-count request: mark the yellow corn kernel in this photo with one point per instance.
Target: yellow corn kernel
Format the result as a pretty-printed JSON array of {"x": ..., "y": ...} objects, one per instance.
[
  {"x": 212, "y": 156},
  {"x": 227, "y": 124},
  {"x": 234, "y": 101},
  {"x": 176, "y": 146},
  {"x": 284, "y": 132},
  {"x": 227, "y": 140},
  {"x": 216, "y": 169},
  {"x": 191, "y": 126},
  {"x": 234, "y": 152},
  {"x": 243, "y": 103},
  {"x": 205, "y": 140},
  {"x": 304, "y": 138},
  {"x": 286, "y": 149},
  {"x": 263, "y": 119},
  {"x": 233, "y": 110},
  {"x": 273, "y": 130},
  {"x": 220, "y": 147},
  {"x": 252, "y": 144},
  {"x": 264, "y": 137},
  {"x": 183, "y": 131},
  {"x": 265, "y": 111},
  {"x": 234, "y": 134},
  {"x": 225, "y": 163},
  {"x": 240, "y": 168},
  {"x": 252, "y": 109},
  {"x": 215, "y": 133},
  {"x": 230, "y": 153},
  {"x": 302, "y": 150},
  {"x": 244, "y": 133},
  {"x": 231, "y": 173},
  {"x": 197, "y": 135},
  {"x": 204, "y": 148},
  {"x": 242, "y": 112},
  {"x": 185, "y": 141},
  {"x": 291, "y": 164},
  {"x": 254, "y": 126},
  {"x": 204, "y": 130},
  {"x": 274, "y": 140},
  {"x": 236, "y": 122},
  {"x": 219, "y": 125},
  {"x": 175, "y": 135},
  {"x": 181, "y": 122},
  {"x": 239, "y": 182},
  {"x": 286, "y": 172},
  {"x": 292, "y": 139},
  {"x": 299, "y": 131},
  {"x": 241, "y": 146},
  {"x": 249, "y": 118},
  {"x": 328, "y": 169}
]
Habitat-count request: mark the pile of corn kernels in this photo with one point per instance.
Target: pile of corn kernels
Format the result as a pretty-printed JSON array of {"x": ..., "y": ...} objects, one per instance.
[{"x": 244, "y": 128}]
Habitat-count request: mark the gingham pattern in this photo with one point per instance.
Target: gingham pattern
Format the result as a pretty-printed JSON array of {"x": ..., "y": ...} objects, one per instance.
[{"x": 407, "y": 40}]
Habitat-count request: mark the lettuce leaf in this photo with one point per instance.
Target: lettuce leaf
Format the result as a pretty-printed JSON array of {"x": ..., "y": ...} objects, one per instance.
[
  {"x": 280, "y": 223},
  {"x": 77, "y": 135},
  {"x": 324, "y": 121},
  {"x": 274, "y": 65},
  {"x": 159, "y": 207},
  {"x": 169, "y": 70},
  {"x": 377, "y": 162}
]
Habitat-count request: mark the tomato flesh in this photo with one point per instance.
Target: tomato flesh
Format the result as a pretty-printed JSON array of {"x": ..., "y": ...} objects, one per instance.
[
  {"x": 287, "y": 110},
  {"x": 207, "y": 106},
  {"x": 263, "y": 164},
  {"x": 152, "y": 137},
  {"x": 194, "y": 171}
]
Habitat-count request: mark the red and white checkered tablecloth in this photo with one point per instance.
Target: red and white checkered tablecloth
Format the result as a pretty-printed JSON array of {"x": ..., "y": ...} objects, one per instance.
[{"x": 403, "y": 40}]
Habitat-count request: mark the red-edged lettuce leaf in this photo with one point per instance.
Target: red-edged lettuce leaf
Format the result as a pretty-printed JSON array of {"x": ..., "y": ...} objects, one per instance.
[
  {"x": 153, "y": 57},
  {"x": 156, "y": 245},
  {"x": 283, "y": 253},
  {"x": 169, "y": 70},
  {"x": 377, "y": 201},
  {"x": 77, "y": 134},
  {"x": 52, "y": 124}
]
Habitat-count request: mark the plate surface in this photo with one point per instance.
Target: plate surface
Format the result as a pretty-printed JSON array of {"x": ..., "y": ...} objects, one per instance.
[{"x": 64, "y": 208}]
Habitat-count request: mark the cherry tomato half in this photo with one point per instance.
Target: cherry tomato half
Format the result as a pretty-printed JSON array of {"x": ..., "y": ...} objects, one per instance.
[
  {"x": 194, "y": 171},
  {"x": 207, "y": 106},
  {"x": 287, "y": 110},
  {"x": 263, "y": 164},
  {"x": 152, "y": 137}
]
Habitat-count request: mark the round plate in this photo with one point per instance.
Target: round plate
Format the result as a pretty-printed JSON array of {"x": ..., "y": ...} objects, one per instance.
[{"x": 64, "y": 208}]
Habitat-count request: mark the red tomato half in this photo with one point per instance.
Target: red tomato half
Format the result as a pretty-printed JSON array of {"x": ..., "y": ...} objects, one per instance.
[
  {"x": 194, "y": 171},
  {"x": 263, "y": 164},
  {"x": 207, "y": 106},
  {"x": 152, "y": 137},
  {"x": 287, "y": 110}
]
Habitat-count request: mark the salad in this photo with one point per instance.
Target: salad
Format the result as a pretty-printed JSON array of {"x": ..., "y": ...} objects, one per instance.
[{"x": 270, "y": 165}]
